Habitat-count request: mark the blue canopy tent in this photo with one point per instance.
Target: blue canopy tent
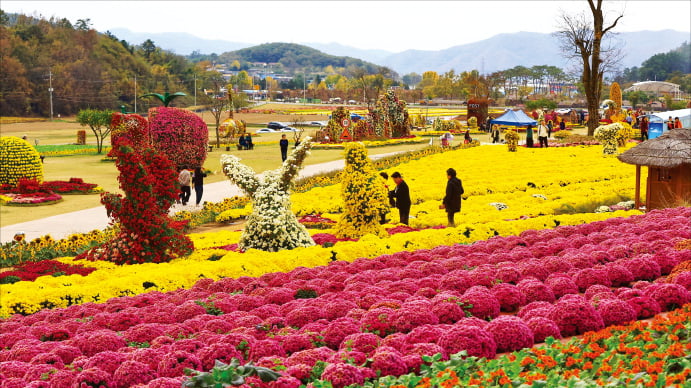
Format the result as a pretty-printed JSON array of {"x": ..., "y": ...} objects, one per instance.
[{"x": 514, "y": 117}]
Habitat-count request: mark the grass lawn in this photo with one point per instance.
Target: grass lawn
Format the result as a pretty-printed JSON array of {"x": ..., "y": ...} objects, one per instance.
[{"x": 93, "y": 169}]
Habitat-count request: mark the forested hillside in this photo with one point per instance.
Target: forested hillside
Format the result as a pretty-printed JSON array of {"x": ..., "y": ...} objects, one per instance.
[
  {"x": 85, "y": 68},
  {"x": 296, "y": 57},
  {"x": 673, "y": 66}
]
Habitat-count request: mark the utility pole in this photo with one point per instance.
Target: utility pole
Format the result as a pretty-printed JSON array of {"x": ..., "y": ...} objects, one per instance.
[
  {"x": 50, "y": 90},
  {"x": 135, "y": 94}
]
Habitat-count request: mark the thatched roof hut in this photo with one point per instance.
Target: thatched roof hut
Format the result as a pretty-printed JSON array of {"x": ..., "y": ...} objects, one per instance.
[
  {"x": 668, "y": 158},
  {"x": 669, "y": 150}
]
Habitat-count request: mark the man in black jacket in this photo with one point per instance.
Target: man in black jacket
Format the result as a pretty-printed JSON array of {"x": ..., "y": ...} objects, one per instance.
[
  {"x": 401, "y": 196},
  {"x": 452, "y": 200}
]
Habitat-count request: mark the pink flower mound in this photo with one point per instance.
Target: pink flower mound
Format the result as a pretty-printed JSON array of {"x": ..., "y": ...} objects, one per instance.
[
  {"x": 222, "y": 351},
  {"x": 388, "y": 361},
  {"x": 619, "y": 275},
  {"x": 425, "y": 333},
  {"x": 456, "y": 280},
  {"x": 173, "y": 364},
  {"x": 509, "y": 296},
  {"x": 615, "y": 312},
  {"x": 267, "y": 348},
  {"x": 484, "y": 304},
  {"x": 543, "y": 328},
  {"x": 535, "y": 290},
  {"x": 302, "y": 316},
  {"x": 596, "y": 289},
  {"x": 144, "y": 332},
  {"x": 510, "y": 333},
  {"x": 507, "y": 272},
  {"x": 339, "y": 329},
  {"x": 67, "y": 353},
  {"x": 296, "y": 342},
  {"x": 361, "y": 342},
  {"x": 99, "y": 341},
  {"x": 131, "y": 373},
  {"x": 684, "y": 280},
  {"x": 167, "y": 382},
  {"x": 379, "y": 321},
  {"x": 590, "y": 276},
  {"x": 669, "y": 296},
  {"x": 108, "y": 361},
  {"x": 341, "y": 375},
  {"x": 644, "y": 306},
  {"x": 447, "y": 312},
  {"x": 642, "y": 268},
  {"x": 535, "y": 309},
  {"x": 408, "y": 317},
  {"x": 179, "y": 134},
  {"x": 92, "y": 377},
  {"x": 187, "y": 310},
  {"x": 285, "y": 382},
  {"x": 476, "y": 341},
  {"x": 561, "y": 284},
  {"x": 574, "y": 315}
]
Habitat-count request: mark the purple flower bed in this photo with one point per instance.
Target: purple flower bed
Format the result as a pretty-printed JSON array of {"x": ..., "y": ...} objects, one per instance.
[{"x": 392, "y": 309}]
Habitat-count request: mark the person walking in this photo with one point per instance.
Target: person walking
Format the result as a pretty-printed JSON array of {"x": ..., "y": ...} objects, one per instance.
[
  {"x": 185, "y": 180},
  {"x": 542, "y": 134},
  {"x": 643, "y": 126},
  {"x": 401, "y": 197},
  {"x": 198, "y": 181},
  {"x": 529, "y": 136},
  {"x": 677, "y": 123},
  {"x": 550, "y": 125},
  {"x": 284, "y": 148},
  {"x": 452, "y": 200}
]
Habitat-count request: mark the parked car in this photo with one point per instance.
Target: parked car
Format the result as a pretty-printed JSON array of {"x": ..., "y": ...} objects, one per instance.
[
  {"x": 267, "y": 130},
  {"x": 288, "y": 129},
  {"x": 276, "y": 125},
  {"x": 317, "y": 123}
]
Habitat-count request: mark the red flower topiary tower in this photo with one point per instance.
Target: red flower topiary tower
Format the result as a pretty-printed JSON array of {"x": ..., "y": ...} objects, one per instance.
[{"x": 146, "y": 234}]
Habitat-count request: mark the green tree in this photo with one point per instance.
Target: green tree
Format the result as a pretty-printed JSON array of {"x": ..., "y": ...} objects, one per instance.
[
  {"x": 636, "y": 97},
  {"x": 98, "y": 121}
]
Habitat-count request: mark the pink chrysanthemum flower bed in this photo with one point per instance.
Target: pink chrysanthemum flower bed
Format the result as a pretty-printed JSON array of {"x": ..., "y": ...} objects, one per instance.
[{"x": 392, "y": 310}]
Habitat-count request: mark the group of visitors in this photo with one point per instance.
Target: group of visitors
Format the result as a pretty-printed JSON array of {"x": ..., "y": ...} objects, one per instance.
[
  {"x": 399, "y": 197},
  {"x": 447, "y": 138},
  {"x": 187, "y": 178},
  {"x": 245, "y": 142}
]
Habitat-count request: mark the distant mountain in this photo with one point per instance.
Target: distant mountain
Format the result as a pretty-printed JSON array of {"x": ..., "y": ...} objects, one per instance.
[
  {"x": 295, "y": 56},
  {"x": 505, "y": 51},
  {"x": 502, "y": 51},
  {"x": 180, "y": 43},
  {"x": 376, "y": 56}
]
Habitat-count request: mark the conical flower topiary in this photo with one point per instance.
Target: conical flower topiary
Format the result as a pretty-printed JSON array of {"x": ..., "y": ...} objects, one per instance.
[{"x": 363, "y": 193}]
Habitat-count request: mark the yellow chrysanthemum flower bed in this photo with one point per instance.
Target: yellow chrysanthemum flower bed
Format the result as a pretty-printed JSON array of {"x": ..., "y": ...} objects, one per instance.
[
  {"x": 110, "y": 280},
  {"x": 535, "y": 185}
]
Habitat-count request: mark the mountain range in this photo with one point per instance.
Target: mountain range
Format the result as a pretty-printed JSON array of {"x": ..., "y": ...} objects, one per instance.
[{"x": 500, "y": 52}]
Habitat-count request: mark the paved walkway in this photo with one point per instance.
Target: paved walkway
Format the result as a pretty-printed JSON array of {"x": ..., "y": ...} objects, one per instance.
[{"x": 86, "y": 220}]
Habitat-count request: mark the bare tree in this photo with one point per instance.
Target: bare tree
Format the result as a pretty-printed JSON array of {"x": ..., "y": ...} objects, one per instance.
[
  {"x": 298, "y": 123},
  {"x": 582, "y": 38}
]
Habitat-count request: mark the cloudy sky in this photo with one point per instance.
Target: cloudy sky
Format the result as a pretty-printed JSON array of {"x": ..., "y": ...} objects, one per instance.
[{"x": 389, "y": 25}]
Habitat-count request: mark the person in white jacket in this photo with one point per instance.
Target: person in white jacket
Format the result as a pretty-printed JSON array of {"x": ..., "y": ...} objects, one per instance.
[{"x": 542, "y": 133}]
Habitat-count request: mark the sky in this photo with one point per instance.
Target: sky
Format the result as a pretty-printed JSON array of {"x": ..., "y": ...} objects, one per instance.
[{"x": 393, "y": 26}]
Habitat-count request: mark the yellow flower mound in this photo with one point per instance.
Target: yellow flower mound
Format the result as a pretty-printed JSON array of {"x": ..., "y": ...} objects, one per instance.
[{"x": 18, "y": 160}]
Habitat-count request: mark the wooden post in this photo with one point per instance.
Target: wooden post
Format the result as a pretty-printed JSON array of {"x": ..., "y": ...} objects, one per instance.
[{"x": 638, "y": 187}]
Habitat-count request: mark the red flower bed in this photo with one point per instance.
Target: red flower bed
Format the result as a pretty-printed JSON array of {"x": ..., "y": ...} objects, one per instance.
[
  {"x": 391, "y": 309},
  {"x": 31, "y": 270}
]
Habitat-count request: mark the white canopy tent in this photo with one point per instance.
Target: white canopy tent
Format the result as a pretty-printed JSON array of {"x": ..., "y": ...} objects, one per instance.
[{"x": 683, "y": 114}]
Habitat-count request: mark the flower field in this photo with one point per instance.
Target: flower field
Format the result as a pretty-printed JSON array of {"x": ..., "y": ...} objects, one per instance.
[
  {"x": 490, "y": 302},
  {"x": 373, "y": 317}
]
